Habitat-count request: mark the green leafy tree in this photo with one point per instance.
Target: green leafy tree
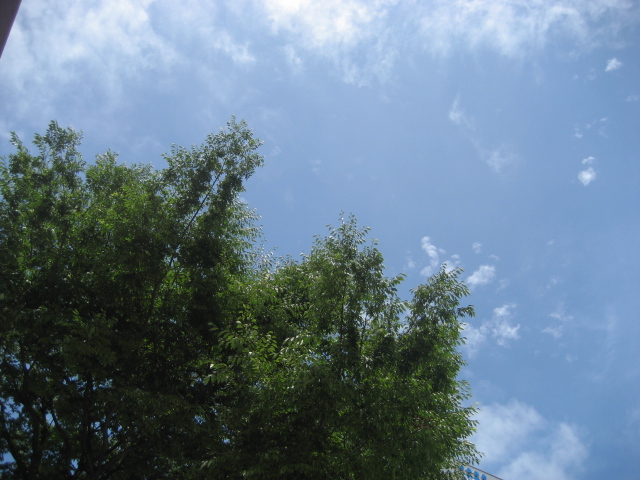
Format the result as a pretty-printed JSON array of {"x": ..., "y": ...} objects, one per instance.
[
  {"x": 111, "y": 277},
  {"x": 339, "y": 378},
  {"x": 142, "y": 337}
]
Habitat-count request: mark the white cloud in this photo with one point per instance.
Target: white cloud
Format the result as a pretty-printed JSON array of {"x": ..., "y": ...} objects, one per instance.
[
  {"x": 510, "y": 29},
  {"x": 336, "y": 29},
  {"x": 91, "y": 52},
  {"x": 587, "y": 176},
  {"x": 325, "y": 24},
  {"x": 434, "y": 256},
  {"x": 474, "y": 338},
  {"x": 505, "y": 429},
  {"x": 483, "y": 276},
  {"x": 476, "y": 247},
  {"x": 434, "y": 253},
  {"x": 499, "y": 328},
  {"x": 340, "y": 29},
  {"x": 108, "y": 45},
  {"x": 588, "y": 160},
  {"x": 499, "y": 158},
  {"x": 633, "y": 98},
  {"x": 442, "y": 25},
  {"x": 563, "y": 453},
  {"x": 112, "y": 41},
  {"x": 526, "y": 445},
  {"x": 613, "y": 64}
]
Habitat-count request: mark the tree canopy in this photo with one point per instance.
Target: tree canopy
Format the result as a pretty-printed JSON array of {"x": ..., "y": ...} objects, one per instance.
[{"x": 143, "y": 333}]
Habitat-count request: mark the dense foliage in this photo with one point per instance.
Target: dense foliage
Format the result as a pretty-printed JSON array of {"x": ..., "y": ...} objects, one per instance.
[{"x": 142, "y": 336}]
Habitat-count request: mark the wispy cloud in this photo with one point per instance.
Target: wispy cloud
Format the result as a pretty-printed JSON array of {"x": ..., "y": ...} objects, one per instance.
[
  {"x": 499, "y": 328},
  {"x": 476, "y": 247},
  {"x": 563, "y": 453},
  {"x": 452, "y": 263},
  {"x": 497, "y": 158},
  {"x": 410, "y": 263},
  {"x": 59, "y": 48},
  {"x": 293, "y": 59},
  {"x": 328, "y": 24},
  {"x": 483, "y": 276},
  {"x": 518, "y": 441},
  {"x": 238, "y": 52},
  {"x": 611, "y": 333},
  {"x": 338, "y": 29},
  {"x": 459, "y": 117},
  {"x": 560, "y": 314},
  {"x": 112, "y": 42},
  {"x": 434, "y": 256},
  {"x": 599, "y": 126},
  {"x": 434, "y": 253},
  {"x": 577, "y": 133},
  {"x": 557, "y": 330},
  {"x": 444, "y": 24},
  {"x": 613, "y": 64},
  {"x": 474, "y": 339},
  {"x": 64, "y": 46},
  {"x": 504, "y": 429}
]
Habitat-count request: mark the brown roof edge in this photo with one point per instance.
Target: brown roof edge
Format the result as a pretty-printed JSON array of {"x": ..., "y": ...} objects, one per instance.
[{"x": 8, "y": 12}]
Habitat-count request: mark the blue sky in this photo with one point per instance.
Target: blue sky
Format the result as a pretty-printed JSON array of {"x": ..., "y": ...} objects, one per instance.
[{"x": 498, "y": 135}]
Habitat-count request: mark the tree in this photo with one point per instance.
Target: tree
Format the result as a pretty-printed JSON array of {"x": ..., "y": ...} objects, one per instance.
[
  {"x": 144, "y": 336},
  {"x": 110, "y": 279},
  {"x": 333, "y": 380}
]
